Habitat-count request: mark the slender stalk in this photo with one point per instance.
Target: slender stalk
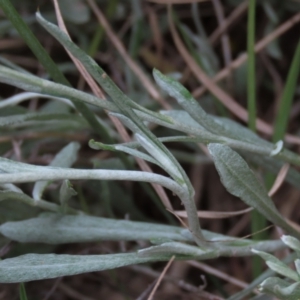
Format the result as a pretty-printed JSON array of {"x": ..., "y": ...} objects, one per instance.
[{"x": 45, "y": 173}]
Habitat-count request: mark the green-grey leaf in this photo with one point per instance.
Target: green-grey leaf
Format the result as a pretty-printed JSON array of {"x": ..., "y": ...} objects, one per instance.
[
  {"x": 57, "y": 228},
  {"x": 283, "y": 270},
  {"x": 240, "y": 181},
  {"x": 33, "y": 83},
  {"x": 177, "y": 248},
  {"x": 31, "y": 267},
  {"x": 281, "y": 288},
  {"x": 17, "y": 196},
  {"x": 297, "y": 265},
  {"x": 66, "y": 191},
  {"x": 185, "y": 99},
  {"x": 64, "y": 158},
  {"x": 240, "y": 132},
  {"x": 124, "y": 103},
  {"x": 292, "y": 242},
  {"x": 20, "y": 119},
  {"x": 124, "y": 148}
]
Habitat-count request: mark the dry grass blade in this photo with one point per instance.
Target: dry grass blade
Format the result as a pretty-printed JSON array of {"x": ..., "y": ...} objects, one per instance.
[
  {"x": 149, "y": 86},
  {"x": 178, "y": 218},
  {"x": 156, "y": 31},
  {"x": 214, "y": 214},
  {"x": 233, "y": 17},
  {"x": 94, "y": 87},
  {"x": 295, "y": 225},
  {"x": 226, "y": 99},
  {"x": 161, "y": 278},
  {"x": 224, "y": 38},
  {"x": 279, "y": 179},
  {"x": 146, "y": 292},
  {"x": 258, "y": 47},
  {"x": 120, "y": 128},
  {"x": 11, "y": 43}
]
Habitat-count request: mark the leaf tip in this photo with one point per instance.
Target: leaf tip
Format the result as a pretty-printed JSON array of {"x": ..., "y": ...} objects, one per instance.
[{"x": 278, "y": 148}]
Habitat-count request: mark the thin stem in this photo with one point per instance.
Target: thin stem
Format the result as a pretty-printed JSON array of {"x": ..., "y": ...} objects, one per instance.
[{"x": 45, "y": 173}]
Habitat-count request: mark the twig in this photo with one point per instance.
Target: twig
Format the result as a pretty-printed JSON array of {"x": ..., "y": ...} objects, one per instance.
[
  {"x": 237, "y": 13},
  {"x": 161, "y": 277}
]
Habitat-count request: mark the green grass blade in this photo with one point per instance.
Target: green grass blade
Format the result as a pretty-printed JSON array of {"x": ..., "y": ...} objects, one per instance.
[
  {"x": 99, "y": 32},
  {"x": 287, "y": 97},
  {"x": 22, "y": 292}
]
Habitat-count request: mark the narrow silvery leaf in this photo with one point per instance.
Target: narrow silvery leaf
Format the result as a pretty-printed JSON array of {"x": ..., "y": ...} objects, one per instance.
[
  {"x": 11, "y": 166},
  {"x": 278, "y": 148},
  {"x": 240, "y": 181},
  {"x": 124, "y": 148},
  {"x": 64, "y": 158},
  {"x": 10, "y": 195},
  {"x": 153, "y": 149},
  {"x": 185, "y": 99},
  {"x": 184, "y": 117},
  {"x": 31, "y": 83},
  {"x": 160, "y": 156},
  {"x": 283, "y": 270},
  {"x": 18, "y": 120},
  {"x": 171, "y": 248},
  {"x": 10, "y": 187},
  {"x": 17, "y": 196},
  {"x": 277, "y": 265},
  {"x": 60, "y": 229},
  {"x": 137, "y": 153},
  {"x": 240, "y": 132},
  {"x": 16, "y": 99},
  {"x": 31, "y": 267},
  {"x": 297, "y": 265},
  {"x": 66, "y": 191},
  {"x": 291, "y": 242},
  {"x": 100, "y": 146},
  {"x": 123, "y": 103},
  {"x": 280, "y": 288}
]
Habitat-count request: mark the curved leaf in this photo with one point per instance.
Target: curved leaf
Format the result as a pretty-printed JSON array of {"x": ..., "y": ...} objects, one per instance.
[
  {"x": 31, "y": 267},
  {"x": 240, "y": 181}
]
